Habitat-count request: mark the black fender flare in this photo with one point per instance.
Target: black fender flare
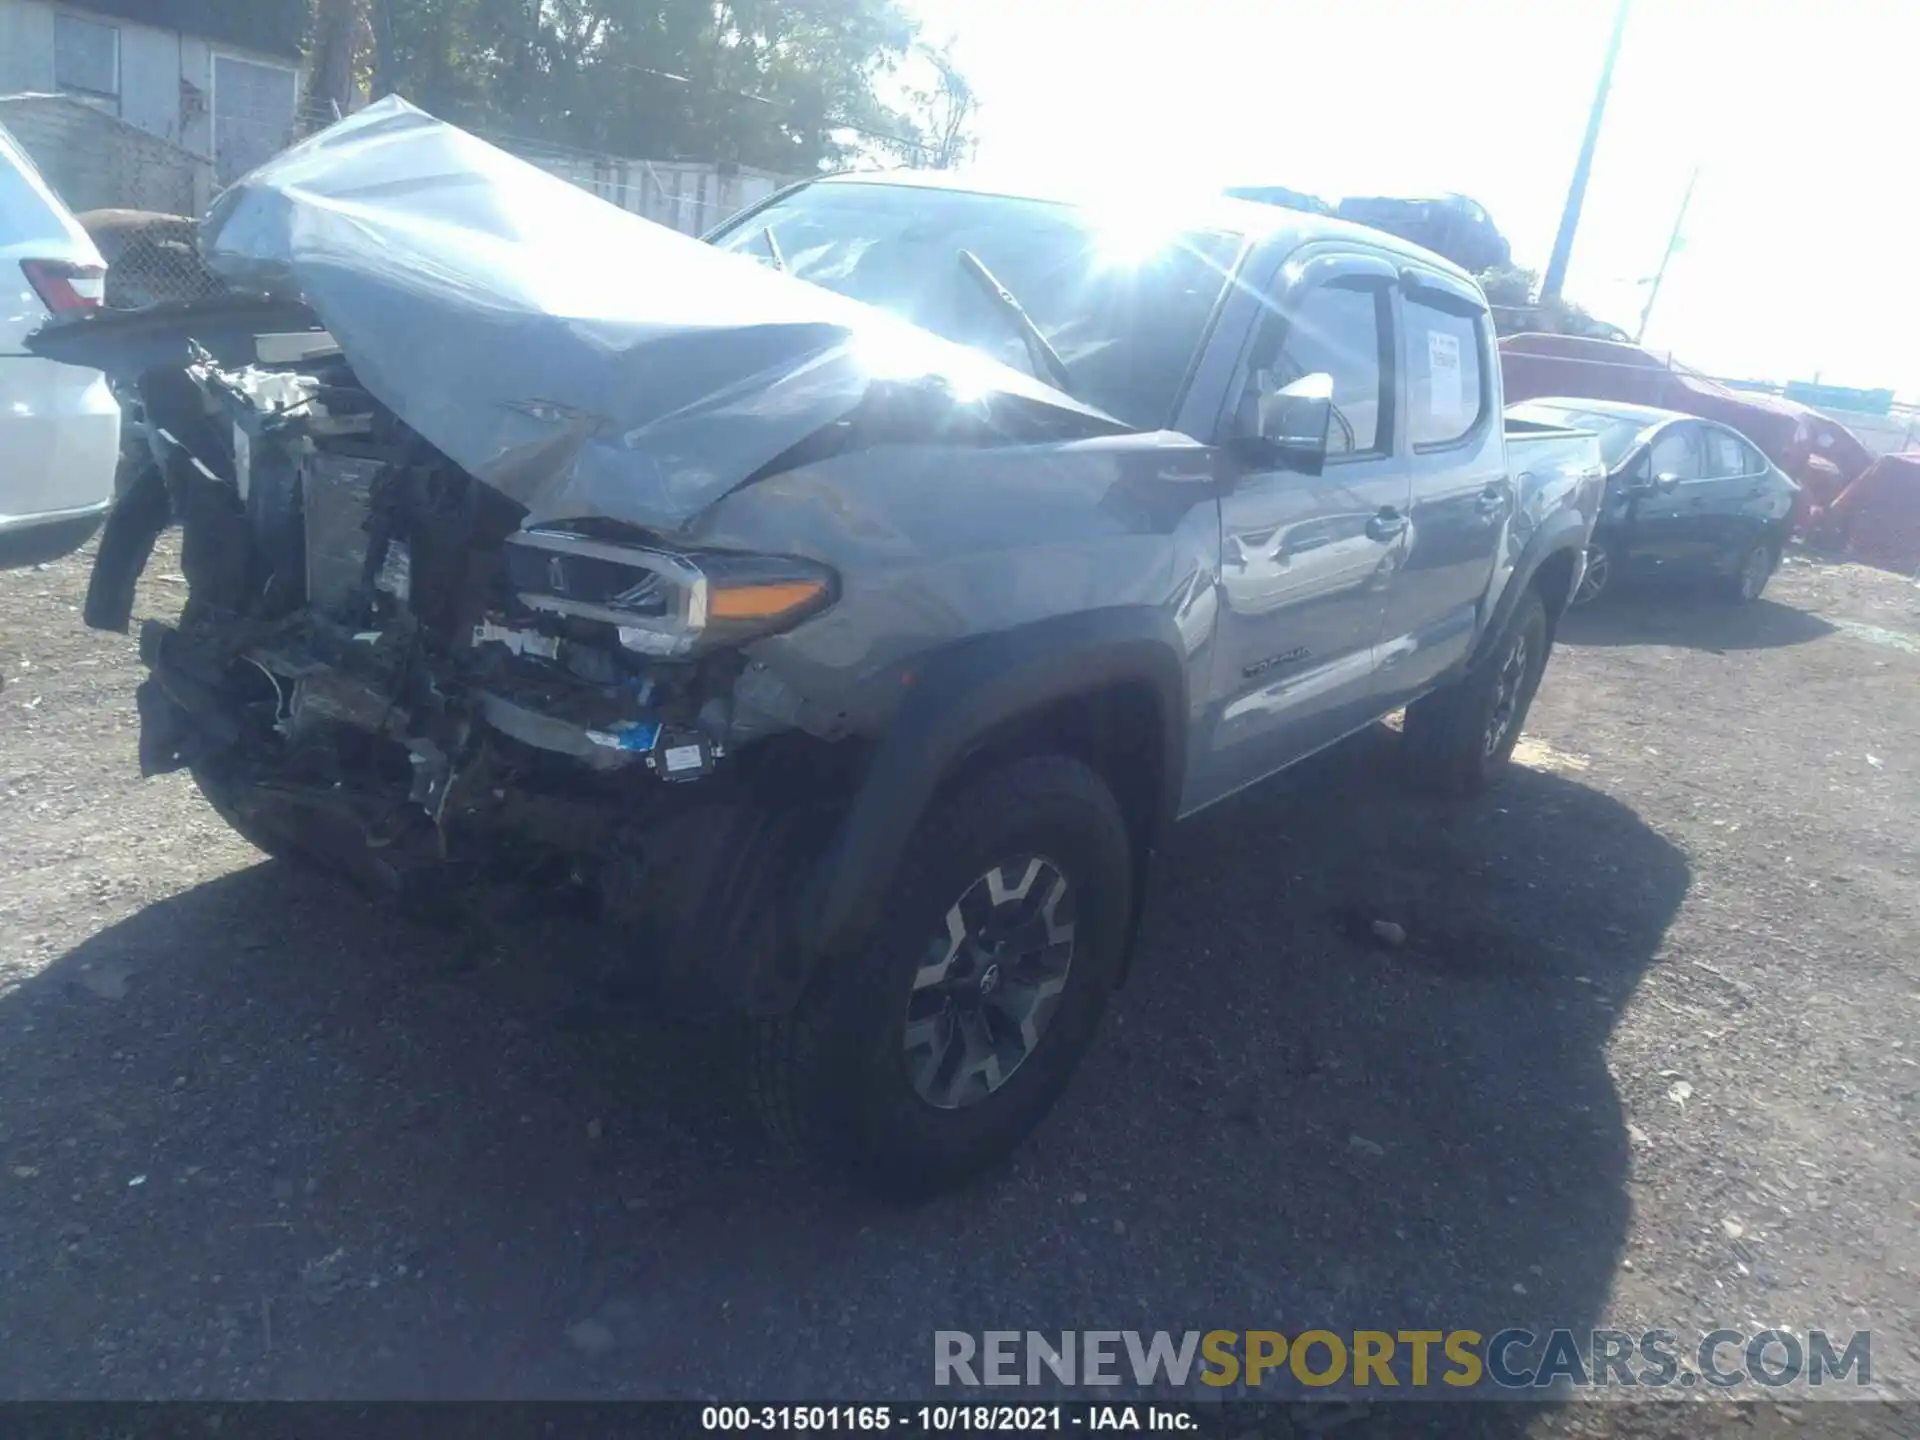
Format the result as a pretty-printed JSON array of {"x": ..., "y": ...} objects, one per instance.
[
  {"x": 1563, "y": 531},
  {"x": 956, "y": 698}
]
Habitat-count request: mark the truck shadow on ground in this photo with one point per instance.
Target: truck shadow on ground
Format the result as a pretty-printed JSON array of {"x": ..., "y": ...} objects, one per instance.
[
  {"x": 1686, "y": 616},
  {"x": 263, "y": 1139}
]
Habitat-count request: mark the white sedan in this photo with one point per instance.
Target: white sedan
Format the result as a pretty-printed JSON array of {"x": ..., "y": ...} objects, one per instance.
[{"x": 59, "y": 426}]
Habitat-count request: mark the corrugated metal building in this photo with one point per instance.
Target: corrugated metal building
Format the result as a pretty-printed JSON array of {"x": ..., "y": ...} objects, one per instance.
[{"x": 217, "y": 80}]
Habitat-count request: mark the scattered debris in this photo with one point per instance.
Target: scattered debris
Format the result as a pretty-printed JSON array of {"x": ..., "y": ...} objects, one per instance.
[
  {"x": 108, "y": 981},
  {"x": 1733, "y": 1228},
  {"x": 1680, "y": 1092},
  {"x": 1537, "y": 754},
  {"x": 327, "y": 1273},
  {"x": 592, "y": 1338},
  {"x": 1365, "y": 1146},
  {"x": 1390, "y": 933}
]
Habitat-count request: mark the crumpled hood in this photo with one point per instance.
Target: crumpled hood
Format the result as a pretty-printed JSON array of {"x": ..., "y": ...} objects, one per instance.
[{"x": 580, "y": 359}]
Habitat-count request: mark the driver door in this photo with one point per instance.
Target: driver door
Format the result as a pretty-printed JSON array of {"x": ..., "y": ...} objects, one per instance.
[{"x": 1306, "y": 559}]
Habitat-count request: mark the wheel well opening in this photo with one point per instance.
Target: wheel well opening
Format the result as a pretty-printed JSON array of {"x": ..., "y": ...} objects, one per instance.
[
  {"x": 1554, "y": 581},
  {"x": 1117, "y": 730}
]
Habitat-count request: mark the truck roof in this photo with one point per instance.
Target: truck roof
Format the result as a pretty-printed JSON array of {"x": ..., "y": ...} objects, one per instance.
[{"x": 1200, "y": 211}]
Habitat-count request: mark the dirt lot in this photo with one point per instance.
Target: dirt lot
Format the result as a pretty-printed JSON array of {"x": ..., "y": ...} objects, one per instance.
[{"x": 1649, "y": 1056}]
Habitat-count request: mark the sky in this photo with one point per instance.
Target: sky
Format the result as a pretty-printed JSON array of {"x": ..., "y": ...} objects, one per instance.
[{"x": 1798, "y": 115}]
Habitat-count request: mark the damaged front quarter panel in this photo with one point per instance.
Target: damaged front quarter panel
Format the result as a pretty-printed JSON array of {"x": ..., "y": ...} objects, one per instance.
[{"x": 463, "y": 607}]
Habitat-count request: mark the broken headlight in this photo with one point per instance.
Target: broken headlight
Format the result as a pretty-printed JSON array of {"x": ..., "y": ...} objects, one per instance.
[{"x": 664, "y": 603}]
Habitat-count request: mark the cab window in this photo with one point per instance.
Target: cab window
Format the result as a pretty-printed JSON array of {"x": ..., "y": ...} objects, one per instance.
[
  {"x": 1446, "y": 386},
  {"x": 1728, "y": 456},
  {"x": 1343, "y": 329}
]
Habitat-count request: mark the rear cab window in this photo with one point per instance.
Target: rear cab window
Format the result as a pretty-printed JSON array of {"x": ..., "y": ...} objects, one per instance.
[{"x": 1447, "y": 390}]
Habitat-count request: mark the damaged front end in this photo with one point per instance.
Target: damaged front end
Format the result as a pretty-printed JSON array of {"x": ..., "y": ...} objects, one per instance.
[
  {"x": 434, "y": 461},
  {"x": 378, "y": 667}
]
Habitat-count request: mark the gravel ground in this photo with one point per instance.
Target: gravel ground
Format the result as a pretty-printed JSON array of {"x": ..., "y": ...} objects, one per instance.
[{"x": 1646, "y": 1057}]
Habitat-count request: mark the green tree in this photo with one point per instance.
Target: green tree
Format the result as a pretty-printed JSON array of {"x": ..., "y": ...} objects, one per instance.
[
  {"x": 1510, "y": 291},
  {"x": 1509, "y": 285},
  {"x": 939, "y": 112},
  {"x": 789, "y": 85}
]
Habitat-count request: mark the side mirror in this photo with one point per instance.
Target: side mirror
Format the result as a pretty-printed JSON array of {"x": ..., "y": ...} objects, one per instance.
[
  {"x": 1665, "y": 482},
  {"x": 1289, "y": 426}
]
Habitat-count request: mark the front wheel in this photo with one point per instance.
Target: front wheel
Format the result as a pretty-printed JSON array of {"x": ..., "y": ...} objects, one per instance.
[
  {"x": 918, "y": 1063},
  {"x": 1460, "y": 739},
  {"x": 221, "y": 790},
  {"x": 1598, "y": 577}
]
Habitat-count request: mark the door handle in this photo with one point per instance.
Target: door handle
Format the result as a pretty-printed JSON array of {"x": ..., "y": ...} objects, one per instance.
[
  {"x": 1492, "y": 500},
  {"x": 1387, "y": 524}
]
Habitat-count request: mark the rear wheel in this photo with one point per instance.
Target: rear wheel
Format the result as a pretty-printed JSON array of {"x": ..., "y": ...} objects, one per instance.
[
  {"x": 1460, "y": 739},
  {"x": 925, "y": 1059},
  {"x": 1752, "y": 571}
]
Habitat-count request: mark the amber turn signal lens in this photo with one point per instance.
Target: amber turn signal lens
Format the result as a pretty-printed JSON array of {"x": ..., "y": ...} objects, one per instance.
[{"x": 762, "y": 602}]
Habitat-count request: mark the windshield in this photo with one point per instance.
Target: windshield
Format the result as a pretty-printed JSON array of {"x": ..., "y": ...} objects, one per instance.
[
  {"x": 1125, "y": 318},
  {"x": 1617, "y": 432}
]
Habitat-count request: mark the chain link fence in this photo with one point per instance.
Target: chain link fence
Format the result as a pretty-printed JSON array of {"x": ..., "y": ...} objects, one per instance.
[
  {"x": 97, "y": 161},
  {"x": 151, "y": 258}
]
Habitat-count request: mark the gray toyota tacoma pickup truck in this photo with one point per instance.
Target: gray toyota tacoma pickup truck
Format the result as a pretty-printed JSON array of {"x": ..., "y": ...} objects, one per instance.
[{"x": 846, "y": 605}]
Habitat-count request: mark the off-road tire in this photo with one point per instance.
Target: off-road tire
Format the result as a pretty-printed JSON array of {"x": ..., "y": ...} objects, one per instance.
[
  {"x": 831, "y": 1079},
  {"x": 217, "y": 788},
  {"x": 1448, "y": 734},
  {"x": 272, "y": 838}
]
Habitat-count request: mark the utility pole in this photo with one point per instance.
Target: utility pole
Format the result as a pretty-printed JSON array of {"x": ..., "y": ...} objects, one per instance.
[
  {"x": 1577, "y": 192},
  {"x": 1673, "y": 244}
]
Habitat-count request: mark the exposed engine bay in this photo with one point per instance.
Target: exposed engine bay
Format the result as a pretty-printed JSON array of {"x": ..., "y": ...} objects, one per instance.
[{"x": 379, "y": 666}]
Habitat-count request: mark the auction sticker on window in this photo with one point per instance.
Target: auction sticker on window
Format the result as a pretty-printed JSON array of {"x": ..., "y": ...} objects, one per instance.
[{"x": 1444, "y": 392}]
